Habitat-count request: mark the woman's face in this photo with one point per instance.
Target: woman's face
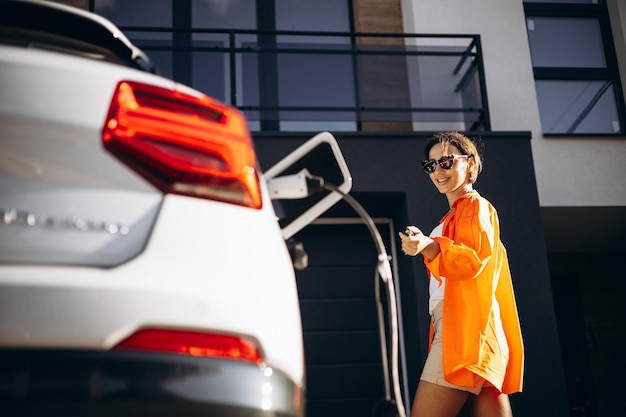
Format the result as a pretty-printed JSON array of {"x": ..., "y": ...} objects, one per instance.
[{"x": 454, "y": 181}]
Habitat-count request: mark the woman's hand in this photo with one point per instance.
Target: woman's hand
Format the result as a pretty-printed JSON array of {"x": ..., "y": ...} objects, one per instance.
[{"x": 415, "y": 242}]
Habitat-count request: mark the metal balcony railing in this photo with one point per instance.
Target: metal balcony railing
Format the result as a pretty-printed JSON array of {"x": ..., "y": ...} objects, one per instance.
[{"x": 288, "y": 80}]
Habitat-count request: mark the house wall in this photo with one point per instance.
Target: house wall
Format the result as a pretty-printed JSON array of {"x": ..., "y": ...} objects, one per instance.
[{"x": 570, "y": 171}]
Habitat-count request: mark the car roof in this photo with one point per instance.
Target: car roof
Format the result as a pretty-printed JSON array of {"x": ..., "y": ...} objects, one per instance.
[{"x": 47, "y": 25}]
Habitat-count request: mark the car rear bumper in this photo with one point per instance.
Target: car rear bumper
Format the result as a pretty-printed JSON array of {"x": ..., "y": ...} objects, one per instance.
[{"x": 90, "y": 383}]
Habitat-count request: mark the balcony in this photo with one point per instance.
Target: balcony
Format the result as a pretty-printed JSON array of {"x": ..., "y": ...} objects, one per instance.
[{"x": 303, "y": 81}]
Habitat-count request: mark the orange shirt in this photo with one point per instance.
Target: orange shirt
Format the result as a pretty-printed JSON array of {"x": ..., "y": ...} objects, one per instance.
[{"x": 475, "y": 264}]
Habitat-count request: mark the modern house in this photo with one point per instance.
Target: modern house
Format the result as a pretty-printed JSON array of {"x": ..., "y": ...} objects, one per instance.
[{"x": 540, "y": 83}]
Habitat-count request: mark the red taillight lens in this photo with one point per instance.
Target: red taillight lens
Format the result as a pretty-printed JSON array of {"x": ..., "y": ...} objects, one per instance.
[
  {"x": 193, "y": 344},
  {"x": 183, "y": 144}
]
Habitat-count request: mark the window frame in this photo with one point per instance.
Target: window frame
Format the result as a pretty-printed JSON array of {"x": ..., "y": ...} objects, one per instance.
[{"x": 610, "y": 72}]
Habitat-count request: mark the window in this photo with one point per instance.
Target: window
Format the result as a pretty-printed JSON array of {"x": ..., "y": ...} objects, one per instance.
[{"x": 576, "y": 75}]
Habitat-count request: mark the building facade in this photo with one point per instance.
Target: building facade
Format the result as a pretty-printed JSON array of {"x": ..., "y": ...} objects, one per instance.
[{"x": 541, "y": 83}]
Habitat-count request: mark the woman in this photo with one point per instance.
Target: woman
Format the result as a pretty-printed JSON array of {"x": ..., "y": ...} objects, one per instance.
[{"x": 476, "y": 354}]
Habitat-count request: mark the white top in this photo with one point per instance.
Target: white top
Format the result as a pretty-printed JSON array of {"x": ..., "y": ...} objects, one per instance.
[{"x": 435, "y": 289}]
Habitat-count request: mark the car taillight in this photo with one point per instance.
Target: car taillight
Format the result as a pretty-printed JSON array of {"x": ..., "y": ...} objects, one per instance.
[
  {"x": 183, "y": 144},
  {"x": 193, "y": 343}
]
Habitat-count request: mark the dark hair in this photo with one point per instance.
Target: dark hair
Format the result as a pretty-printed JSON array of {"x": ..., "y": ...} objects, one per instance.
[{"x": 464, "y": 144}]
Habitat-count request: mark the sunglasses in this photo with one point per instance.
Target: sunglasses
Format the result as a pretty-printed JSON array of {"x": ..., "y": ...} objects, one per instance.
[{"x": 444, "y": 162}]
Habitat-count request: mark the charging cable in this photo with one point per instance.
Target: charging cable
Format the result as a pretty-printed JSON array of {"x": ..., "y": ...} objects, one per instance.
[{"x": 383, "y": 270}]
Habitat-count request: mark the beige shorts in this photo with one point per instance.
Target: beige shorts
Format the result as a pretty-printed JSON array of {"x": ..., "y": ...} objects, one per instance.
[{"x": 433, "y": 368}]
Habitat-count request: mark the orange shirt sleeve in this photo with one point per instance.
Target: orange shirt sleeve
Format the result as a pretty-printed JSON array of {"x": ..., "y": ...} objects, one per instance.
[{"x": 470, "y": 223}]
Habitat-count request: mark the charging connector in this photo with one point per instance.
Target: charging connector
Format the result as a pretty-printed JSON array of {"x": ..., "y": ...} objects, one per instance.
[{"x": 293, "y": 187}]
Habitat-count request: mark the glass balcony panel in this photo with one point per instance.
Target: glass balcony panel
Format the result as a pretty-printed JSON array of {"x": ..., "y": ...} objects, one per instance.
[
  {"x": 315, "y": 80},
  {"x": 212, "y": 69},
  {"x": 437, "y": 83},
  {"x": 209, "y": 71},
  {"x": 333, "y": 83},
  {"x": 238, "y": 14}
]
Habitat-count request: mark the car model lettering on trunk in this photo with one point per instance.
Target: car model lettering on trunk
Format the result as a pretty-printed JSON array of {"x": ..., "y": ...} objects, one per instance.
[{"x": 15, "y": 217}]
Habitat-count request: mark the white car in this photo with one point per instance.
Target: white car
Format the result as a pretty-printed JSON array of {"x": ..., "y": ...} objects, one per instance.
[{"x": 142, "y": 267}]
